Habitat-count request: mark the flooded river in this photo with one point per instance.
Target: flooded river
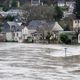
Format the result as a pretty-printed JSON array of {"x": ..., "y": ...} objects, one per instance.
[{"x": 39, "y": 62}]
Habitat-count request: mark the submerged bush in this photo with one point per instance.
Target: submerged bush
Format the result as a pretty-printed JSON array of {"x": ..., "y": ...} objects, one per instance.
[{"x": 65, "y": 38}]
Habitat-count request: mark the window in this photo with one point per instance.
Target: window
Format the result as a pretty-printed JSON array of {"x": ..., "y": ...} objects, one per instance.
[
  {"x": 12, "y": 28},
  {"x": 13, "y": 34},
  {"x": 17, "y": 34},
  {"x": 78, "y": 21},
  {"x": 75, "y": 21}
]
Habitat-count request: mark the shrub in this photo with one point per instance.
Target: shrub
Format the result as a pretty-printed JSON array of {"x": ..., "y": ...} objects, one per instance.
[
  {"x": 65, "y": 39},
  {"x": 9, "y": 18}
]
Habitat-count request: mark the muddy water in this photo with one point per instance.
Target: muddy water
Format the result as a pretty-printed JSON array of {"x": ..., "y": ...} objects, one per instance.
[{"x": 37, "y": 62}]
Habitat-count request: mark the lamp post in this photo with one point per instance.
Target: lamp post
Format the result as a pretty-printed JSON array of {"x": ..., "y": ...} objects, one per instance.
[{"x": 65, "y": 52}]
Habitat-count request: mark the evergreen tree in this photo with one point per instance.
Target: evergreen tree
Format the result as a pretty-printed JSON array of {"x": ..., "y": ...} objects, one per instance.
[
  {"x": 58, "y": 13},
  {"x": 9, "y": 18},
  {"x": 77, "y": 9},
  {"x": 14, "y": 3},
  {"x": 6, "y": 8}
]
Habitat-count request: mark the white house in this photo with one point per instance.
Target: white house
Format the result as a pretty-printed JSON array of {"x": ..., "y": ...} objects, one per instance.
[
  {"x": 76, "y": 27},
  {"x": 56, "y": 29},
  {"x": 35, "y": 2},
  {"x": 25, "y": 33},
  {"x": 79, "y": 38},
  {"x": 13, "y": 12},
  {"x": 16, "y": 32},
  {"x": 76, "y": 24},
  {"x": 61, "y": 3},
  {"x": 69, "y": 4},
  {"x": 12, "y": 30}
]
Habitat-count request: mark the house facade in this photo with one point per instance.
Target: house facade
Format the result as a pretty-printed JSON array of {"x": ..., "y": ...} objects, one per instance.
[
  {"x": 10, "y": 29},
  {"x": 76, "y": 24},
  {"x": 52, "y": 28},
  {"x": 61, "y": 3},
  {"x": 79, "y": 38},
  {"x": 68, "y": 5},
  {"x": 56, "y": 29},
  {"x": 12, "y": 12},
  {"x": 76, "y": 28},
  {"x": 37, "y": 30},
  {"x": 35, "y": 2},
  {"x": 16, "y": 32}
]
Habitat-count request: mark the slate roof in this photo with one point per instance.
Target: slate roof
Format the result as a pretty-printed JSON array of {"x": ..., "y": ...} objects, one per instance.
[
  {"x": 35, "y": 23},
  {"x": 56, "y": 27},
  {"x": 11, "y": 26},
  {"x": 51, "y": 26}
]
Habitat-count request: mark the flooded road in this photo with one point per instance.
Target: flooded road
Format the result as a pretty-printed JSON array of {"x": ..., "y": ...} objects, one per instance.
[{"x": 39, "y": 62}]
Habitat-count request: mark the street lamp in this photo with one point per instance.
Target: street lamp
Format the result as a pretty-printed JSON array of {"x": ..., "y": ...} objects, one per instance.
[{"x": 65, "y": 52}]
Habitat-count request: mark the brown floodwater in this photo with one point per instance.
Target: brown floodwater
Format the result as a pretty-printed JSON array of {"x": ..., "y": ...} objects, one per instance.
[{"x": 37, "y": 62}]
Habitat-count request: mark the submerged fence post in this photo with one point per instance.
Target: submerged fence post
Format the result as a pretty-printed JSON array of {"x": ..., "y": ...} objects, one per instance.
[{"x": 65, "y": 52}]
